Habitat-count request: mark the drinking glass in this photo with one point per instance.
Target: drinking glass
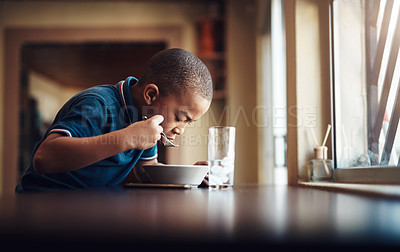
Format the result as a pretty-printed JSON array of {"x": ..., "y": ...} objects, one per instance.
[{"x": 221, "y": 156}]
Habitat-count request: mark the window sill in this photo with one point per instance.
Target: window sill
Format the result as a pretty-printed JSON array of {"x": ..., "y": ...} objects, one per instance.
[{"x": 370, "y": 189}]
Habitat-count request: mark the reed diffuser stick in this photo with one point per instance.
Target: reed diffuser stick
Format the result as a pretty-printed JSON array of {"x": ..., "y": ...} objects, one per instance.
[
  {"x": 326, "y": 134},
  {"x": 323, "y": 145}
]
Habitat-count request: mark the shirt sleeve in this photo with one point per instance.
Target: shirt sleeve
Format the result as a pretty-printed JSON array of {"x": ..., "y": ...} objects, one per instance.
[
  {"x": 150, "y": 154},
  {"x": 86, "y": 116}
]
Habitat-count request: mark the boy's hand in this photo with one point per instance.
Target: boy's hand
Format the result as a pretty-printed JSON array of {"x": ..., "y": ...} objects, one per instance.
[
  {"x": 204, "y": 183},
  {"x": 144, "y": 134}
]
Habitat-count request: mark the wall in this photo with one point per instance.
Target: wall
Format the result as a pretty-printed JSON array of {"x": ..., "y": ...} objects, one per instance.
[
  {"x": 240, "y": 106},
  {"x": 308, "y": 82},
  {"x": 242, "y": 87}
]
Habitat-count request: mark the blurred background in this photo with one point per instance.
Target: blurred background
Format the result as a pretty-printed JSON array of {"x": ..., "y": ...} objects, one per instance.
[{"x": 51, "y": 50}]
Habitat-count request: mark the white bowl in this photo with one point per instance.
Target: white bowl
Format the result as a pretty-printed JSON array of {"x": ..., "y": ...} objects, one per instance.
[{"x": 176, "y": 174}]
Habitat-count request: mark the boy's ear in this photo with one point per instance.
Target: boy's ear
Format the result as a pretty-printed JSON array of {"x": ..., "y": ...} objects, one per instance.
[{"x": 151, "y": 93}]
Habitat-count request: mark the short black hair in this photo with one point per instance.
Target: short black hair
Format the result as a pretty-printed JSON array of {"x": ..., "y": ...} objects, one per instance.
[{"x": 178, "y": 71}]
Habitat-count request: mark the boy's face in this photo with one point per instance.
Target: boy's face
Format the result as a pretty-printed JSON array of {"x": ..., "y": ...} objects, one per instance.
[{"x": 179, "y": 111}]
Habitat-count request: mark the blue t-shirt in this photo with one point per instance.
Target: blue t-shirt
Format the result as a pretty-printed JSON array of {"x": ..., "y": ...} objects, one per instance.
[{"x": 94, "y": 111}]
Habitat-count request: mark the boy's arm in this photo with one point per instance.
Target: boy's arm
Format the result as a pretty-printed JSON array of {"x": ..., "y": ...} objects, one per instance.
[
  {"x": 59, "y": 153},
  {"x": 137, "y": 174}
]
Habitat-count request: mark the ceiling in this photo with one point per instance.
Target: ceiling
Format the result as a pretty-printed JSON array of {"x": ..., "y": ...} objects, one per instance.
[{"x": 82, "y": 65}]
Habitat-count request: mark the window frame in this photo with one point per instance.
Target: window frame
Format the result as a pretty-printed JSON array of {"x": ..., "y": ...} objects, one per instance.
[{"x": 362, "y": 175}]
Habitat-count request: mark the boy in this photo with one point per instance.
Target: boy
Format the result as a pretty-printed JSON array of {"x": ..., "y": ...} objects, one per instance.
[{"x": 99, "y": 136}]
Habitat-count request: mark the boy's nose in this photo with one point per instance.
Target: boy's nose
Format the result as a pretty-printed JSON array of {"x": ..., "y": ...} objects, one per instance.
[{"x": 179, "y": 130}]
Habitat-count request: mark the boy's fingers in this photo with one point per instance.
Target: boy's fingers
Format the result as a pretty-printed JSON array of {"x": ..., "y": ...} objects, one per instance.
[
  {"x": 159, "y": 130},
  {"x": 157, "y": 119},
  {"x": 204, "y": 183},
  {"x": 201, "y": 163}
]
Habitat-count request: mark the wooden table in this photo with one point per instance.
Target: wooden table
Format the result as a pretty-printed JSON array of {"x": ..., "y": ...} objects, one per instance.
[{"x": 248, "y": 215}]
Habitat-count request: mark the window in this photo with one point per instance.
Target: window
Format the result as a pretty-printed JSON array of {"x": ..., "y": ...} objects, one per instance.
[
  {"x": 366, "y": 90},
  {"x": 273, "y": 92},
  {"x": 278, "y": 91}
]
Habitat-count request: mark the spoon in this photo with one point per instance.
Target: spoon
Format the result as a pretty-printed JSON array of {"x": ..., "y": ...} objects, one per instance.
[{"x": 166, "y": 142}]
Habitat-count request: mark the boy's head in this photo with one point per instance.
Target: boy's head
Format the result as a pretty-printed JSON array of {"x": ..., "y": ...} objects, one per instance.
[
  {"x": 177, "y": 85},
  {"x": 177, "y": 71}
]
